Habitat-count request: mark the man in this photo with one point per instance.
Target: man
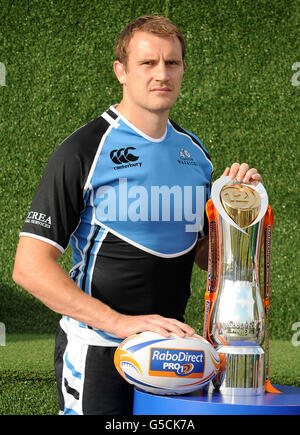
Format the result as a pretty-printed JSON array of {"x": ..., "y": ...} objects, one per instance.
[{"x": 123, "y": 190}]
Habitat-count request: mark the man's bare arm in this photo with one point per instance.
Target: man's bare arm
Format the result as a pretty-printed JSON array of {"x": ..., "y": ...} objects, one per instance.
[{"x": 37, "y": 271}]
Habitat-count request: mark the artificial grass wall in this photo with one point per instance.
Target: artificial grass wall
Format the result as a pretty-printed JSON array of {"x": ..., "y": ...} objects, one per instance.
[{"x": 237, "y": 96}]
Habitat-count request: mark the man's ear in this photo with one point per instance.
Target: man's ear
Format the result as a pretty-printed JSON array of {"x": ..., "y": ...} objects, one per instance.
[{"x": 120, "y": 71}]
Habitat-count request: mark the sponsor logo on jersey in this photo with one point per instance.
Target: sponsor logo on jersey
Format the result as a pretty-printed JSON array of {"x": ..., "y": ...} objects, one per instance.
[
  {"x": 185, "y": 158},
  {"x": 37, "y": 218},
  {"x": 177, "y": 363},
  {"x": 124, "y": 158}
]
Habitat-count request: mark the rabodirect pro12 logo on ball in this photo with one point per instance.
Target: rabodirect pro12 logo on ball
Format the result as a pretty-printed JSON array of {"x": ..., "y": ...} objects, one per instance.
[{"x": 176, "y": 363}]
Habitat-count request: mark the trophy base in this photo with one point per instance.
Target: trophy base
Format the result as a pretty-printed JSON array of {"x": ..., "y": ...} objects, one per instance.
[{"x": 244, "y": 370}]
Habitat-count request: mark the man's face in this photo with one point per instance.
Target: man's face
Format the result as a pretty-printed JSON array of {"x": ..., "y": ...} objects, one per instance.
[{"x": 154, "y": 71}]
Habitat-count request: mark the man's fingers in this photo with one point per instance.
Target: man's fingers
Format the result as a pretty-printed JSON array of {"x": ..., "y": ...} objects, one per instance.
[
  {"x": 180, "y": 328},
  {"x": 252, "y": 175},
  {"x": 234, "y": 169},
  {"x": 129, "y": 325},
  {"x": 244, "y": 168},
  {"x": 171, "y": 325},
  {"x": 226, "y": 172},
  {"x": 243, "y": 174},
  {"x": 238, "y": 171}
]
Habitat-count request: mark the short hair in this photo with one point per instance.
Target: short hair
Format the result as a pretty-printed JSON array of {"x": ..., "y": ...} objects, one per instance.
[{"x": 155, "y": 24}]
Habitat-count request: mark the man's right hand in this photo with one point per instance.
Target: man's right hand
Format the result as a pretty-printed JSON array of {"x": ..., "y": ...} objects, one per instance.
[{"x": 125, "y": 325}]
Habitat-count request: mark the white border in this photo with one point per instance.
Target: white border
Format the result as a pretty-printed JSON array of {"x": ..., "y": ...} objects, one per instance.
[
  {"x": 143, "y": 248},
  {"x": 144, "y": 135},
  {"x": 43, "y": 239},
  {"x": 96, "y": 158}
]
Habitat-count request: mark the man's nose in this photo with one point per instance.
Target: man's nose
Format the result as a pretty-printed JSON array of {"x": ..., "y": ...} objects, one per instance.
[{"x": 161, "y": 72}]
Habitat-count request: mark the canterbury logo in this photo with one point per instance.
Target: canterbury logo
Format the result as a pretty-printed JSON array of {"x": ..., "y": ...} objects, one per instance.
[{"x": 123, "y": 155}]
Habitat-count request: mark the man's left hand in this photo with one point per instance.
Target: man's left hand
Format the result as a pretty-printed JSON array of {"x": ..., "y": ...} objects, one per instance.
[{"x": 243, "y": 174}]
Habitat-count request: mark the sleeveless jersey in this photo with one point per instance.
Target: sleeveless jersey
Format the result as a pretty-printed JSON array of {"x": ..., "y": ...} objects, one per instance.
[{"x": 132, "y": 208}]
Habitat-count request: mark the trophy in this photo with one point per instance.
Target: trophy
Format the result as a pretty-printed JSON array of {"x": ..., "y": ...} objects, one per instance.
[{"x": 236, "y": 319}]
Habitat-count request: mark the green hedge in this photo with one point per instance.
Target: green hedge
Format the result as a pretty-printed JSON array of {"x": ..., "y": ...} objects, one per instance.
[{"x": 237, "y": 96}]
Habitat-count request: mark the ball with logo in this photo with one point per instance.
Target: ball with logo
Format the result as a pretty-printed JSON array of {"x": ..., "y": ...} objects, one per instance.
[{"x": 166, "y": 366}]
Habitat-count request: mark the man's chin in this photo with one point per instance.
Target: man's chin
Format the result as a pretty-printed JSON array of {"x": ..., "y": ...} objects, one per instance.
[{"x": 161, "y": 106}]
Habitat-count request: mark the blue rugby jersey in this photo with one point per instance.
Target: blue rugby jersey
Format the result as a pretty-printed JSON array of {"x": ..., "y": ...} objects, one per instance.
[{"x": 132, "y": 208}]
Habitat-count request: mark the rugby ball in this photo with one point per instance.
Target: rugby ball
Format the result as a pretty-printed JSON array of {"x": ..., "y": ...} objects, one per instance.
[{"x": 166, "y": 366}]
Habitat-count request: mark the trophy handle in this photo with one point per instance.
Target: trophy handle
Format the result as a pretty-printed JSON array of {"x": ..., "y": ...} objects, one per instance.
[
  {"x": 268, "y": 227},
  {"x": 214, "y": 264}
]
